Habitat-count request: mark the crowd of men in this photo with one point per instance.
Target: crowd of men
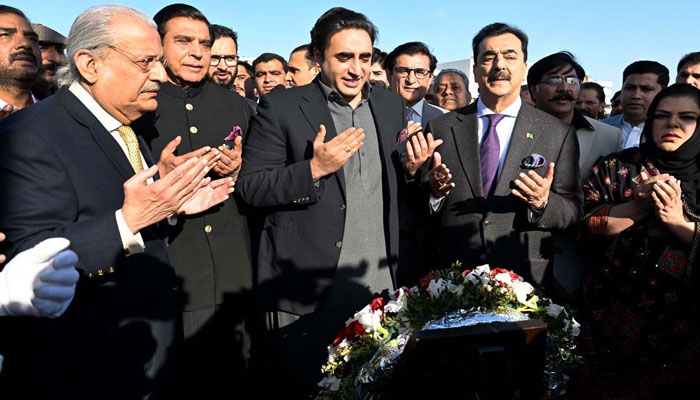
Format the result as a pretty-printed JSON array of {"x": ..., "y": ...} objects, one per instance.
[{"x": 356, "y": 172}]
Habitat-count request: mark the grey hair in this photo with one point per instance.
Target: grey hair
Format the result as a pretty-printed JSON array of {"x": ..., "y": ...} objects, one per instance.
[
  {"x": 91, "y": 30},
  {"x": 453, "y": 71}
]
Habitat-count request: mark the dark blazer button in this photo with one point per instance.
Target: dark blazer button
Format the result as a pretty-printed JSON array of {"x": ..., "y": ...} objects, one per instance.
[
  {"x": 342, "y": 206},
  {"x": 487, "y": 222},
  {"x": 338, "y": 244}
]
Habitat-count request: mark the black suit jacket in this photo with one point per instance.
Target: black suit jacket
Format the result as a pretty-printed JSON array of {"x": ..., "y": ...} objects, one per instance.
[
  {"x": 61, "y": 174},
  {"x": 303, "y": 225},
  {"x": 468, "y": 226}
]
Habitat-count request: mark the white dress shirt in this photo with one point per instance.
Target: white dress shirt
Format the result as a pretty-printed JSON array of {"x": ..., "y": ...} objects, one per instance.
[
  {"x": 131, "y": 242},
  {"x": 631, "y": 135},
  {"x": 3, "y": 103},
  {"x": 504, "y": 130}
]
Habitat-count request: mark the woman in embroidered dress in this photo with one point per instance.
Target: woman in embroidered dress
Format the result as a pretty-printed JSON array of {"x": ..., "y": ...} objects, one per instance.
[{"x": 641, "y": 212}]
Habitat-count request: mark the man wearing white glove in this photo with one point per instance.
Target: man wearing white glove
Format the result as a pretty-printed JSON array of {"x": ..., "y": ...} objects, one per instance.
[{"x": 39, "y": 282}]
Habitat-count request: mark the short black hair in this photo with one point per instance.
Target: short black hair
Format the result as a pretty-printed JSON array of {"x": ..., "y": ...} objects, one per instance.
[
  {"x": 615, "y": 95},
  {"x": 378, "y": 56},
  {"x": 690, "y": 58},
  {"x": 599, "y": 92},
  {"x": 552, "y": 61},
  {"x": 179, "y": 10},
  {"x": 497, "y": 29},
  {"x": 12, "y": 10},
  {"x": 647, "y": 67},
  {"x": 219, "y": 31},
  {"x": 410, "y": 48},
  {"x": 249, "y": 68},
  {"x": 267, "y": 57},
  {"x": 335, "y": 20},
  {"x": 306, "y": 48}
]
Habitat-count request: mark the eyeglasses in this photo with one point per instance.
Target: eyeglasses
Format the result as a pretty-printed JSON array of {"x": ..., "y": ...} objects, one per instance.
[
  {"x": 589, "y": 103},
  {"x": 403, "y": 72},
  {"x": 557, "y": 80},
  {"x": 230, "y": 60},
  {"x": 146, "y": 64}
]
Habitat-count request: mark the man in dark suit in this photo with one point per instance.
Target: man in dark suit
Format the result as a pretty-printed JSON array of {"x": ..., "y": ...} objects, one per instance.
[
  {"x": 502, "y": 194},
  {"x": 320, "y": 163},
  {"x": 410, "y": 68},
  {"x": 210, "y": 251},
  {"x": 71, "y": 166}
]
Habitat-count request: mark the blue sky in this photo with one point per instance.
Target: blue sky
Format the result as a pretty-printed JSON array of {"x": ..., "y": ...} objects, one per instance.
[{"x": 604, "y": 35}]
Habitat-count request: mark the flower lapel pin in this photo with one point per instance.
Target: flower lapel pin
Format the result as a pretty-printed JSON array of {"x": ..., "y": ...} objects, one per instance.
[
  {"x": 236, "y": 131},
  {"x": 403, "y": 136},
  {"x": 533, "y": 161}
]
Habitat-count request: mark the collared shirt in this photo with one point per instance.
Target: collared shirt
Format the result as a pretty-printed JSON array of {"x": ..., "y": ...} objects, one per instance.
[
  {"x": 132, "y": 242},
  {"x": 631, "y": 135},
  {"x": 3, "y": 103},
  {"x": 504, "y": 129},
  {"x": 418, "y": 111},
  {"x": 364, "y": 245}
]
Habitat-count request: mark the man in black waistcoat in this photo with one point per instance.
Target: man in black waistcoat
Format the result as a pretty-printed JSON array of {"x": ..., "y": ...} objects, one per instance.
[{"x": 211, "y": 250}]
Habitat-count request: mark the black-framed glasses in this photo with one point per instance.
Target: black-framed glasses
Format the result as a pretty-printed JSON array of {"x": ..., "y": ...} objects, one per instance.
[
  {"x": 230, "y": 60},
  {"x": 421, "y": 73},
  {"x": 146, "y": 64},
  {"x": 557, "y": 80}
]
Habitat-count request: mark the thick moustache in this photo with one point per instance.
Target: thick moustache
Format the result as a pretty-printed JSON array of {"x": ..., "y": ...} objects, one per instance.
[{"x": 23, "y": 56}]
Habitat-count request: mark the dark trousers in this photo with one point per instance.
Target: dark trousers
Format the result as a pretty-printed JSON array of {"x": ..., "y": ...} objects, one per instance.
[{"x": 215, "y": 353}]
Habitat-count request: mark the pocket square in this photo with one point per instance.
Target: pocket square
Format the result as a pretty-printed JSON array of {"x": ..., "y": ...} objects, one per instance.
[
  {"x": 403, "y": 136},
  {"x": 533, "y": 161},
  {"x": 236, "y": 131}
]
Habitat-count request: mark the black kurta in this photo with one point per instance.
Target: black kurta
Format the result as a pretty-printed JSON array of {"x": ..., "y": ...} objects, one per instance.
[{"x": 211, "y": 250}]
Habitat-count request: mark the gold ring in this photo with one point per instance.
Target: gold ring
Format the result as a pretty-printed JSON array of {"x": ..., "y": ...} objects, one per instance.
[{"x": 347, "y": 149}]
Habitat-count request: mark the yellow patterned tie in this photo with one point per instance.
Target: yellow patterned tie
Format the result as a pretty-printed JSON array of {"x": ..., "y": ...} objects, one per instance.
[{"x": 132, "y": 145}]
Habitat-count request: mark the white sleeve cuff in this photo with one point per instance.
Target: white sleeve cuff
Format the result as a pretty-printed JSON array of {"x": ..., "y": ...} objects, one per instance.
[
  {"x": 435, "y": 203},
  {"x": 172, "y": 219},
  {"x": 132, "y": 244}
]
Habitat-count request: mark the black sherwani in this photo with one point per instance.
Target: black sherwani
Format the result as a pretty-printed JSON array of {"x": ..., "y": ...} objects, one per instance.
[{"x": 210, "y": 251}]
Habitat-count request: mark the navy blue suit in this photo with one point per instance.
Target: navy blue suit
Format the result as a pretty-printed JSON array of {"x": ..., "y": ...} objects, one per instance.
[{"x": 62, "y": 174}]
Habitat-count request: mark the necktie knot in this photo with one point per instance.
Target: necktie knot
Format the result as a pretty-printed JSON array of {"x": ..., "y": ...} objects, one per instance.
[
  {"x": 409, "y": 113},
  {"x": 494, "y": 119},
  {"x": 132, "y": 146}
]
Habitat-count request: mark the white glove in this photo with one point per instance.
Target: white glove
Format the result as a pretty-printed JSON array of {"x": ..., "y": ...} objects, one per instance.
[{"x": 39, "y": 282}]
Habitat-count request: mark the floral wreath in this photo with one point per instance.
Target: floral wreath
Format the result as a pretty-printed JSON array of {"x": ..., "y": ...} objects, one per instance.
[{"x": 374, "y": 338}]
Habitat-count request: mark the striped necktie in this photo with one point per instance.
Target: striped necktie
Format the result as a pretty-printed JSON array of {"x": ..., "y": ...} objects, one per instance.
[{"x": 132, "y": 145}]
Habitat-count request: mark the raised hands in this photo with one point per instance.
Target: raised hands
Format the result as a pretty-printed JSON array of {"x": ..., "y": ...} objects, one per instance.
[
  {"x": 643, "y": 199},
  {"x": 534, "y": 189},
  {"x": 419, "y": 148},
  {"x": 439, "y": 177},
  {"x": 229, "y": 163},
  {"x": 330, "y": 156},
  {"x": 145, "y": 205},
  {"x": 668, "y": 206},
  {"x": 169, "y": 161}
]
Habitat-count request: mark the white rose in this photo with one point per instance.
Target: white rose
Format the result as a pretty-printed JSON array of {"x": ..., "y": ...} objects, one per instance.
[
  {"x": 435, "y": 288},
  {"x": 503, "y": 277},
  {"x": 522, "y": 290}
]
